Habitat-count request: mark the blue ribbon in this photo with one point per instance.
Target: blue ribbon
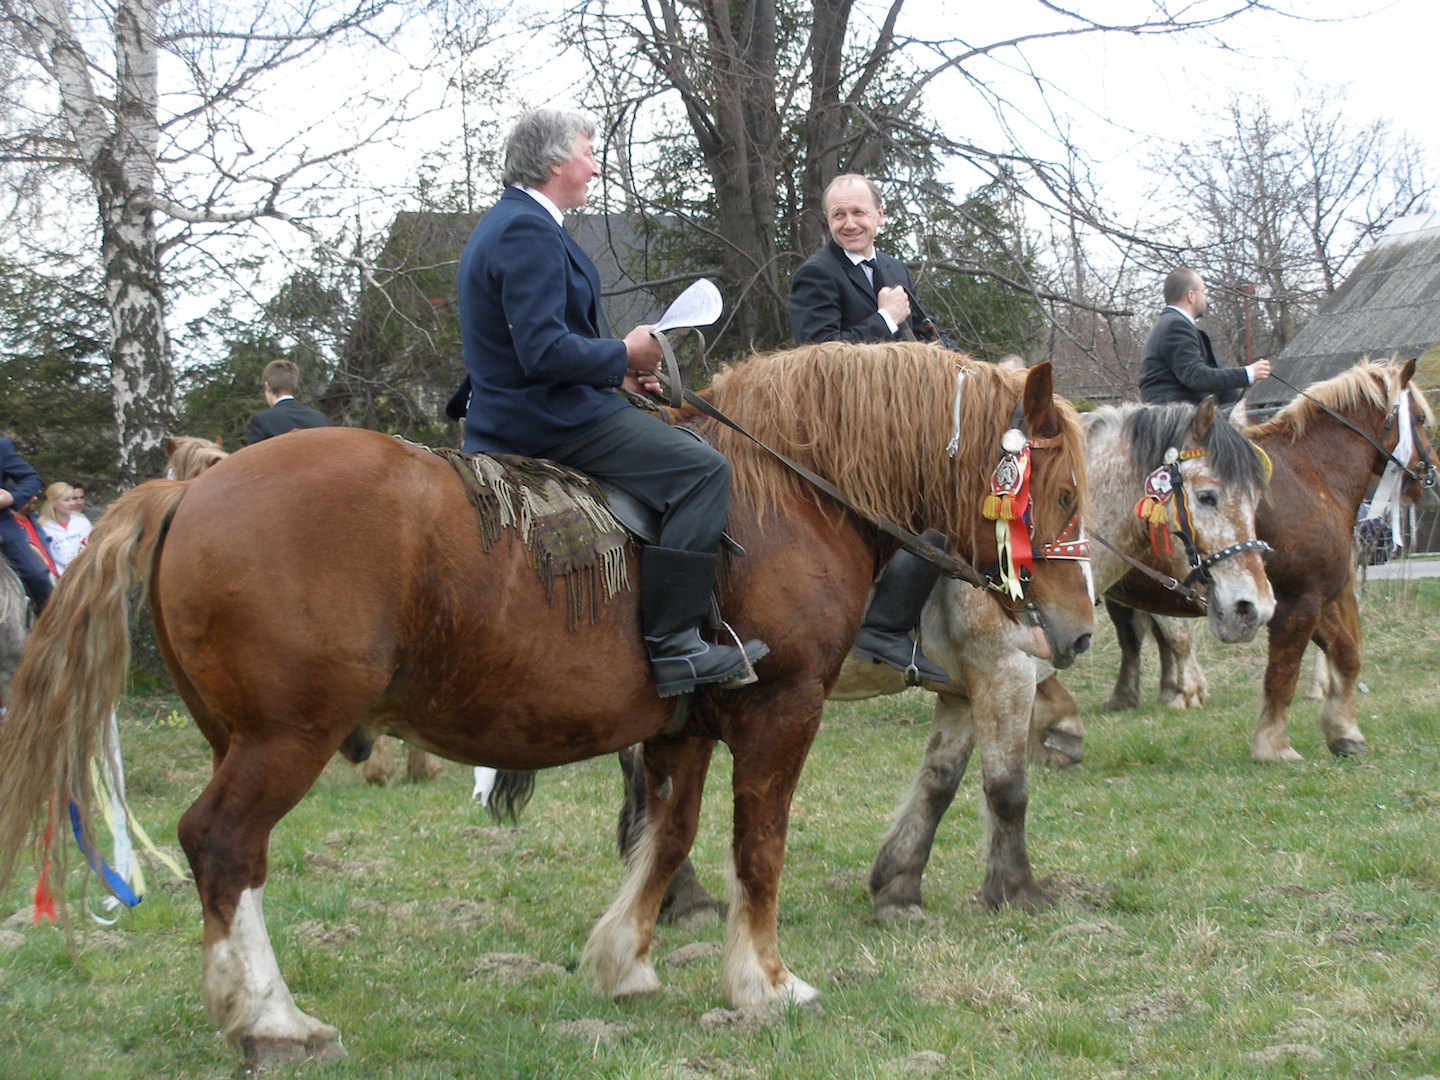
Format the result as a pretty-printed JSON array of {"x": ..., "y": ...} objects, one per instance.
[{"x": 113, "y": 881}]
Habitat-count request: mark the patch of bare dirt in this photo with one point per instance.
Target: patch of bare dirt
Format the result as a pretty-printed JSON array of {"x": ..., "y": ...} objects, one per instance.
[
  {"x": 749, "y": 1019},
  {"x": 920, "y": 1063},
  {"x": 709, "y": 1067},
  {"x": 1074, "y": 889},
  {"x": 314, "y": 932},
  {"x": 510, "y": 968},
  {"x": 354, "y": 868},
  {"x": 11, "y": 939},
  {"x": 689, "y": 954},
  {"x": 1096, "y": 928},
  {"x": 105, "y": 939},
  {"x": 1155, "y": 1010},
  {"x": 1272, "y": 1056},
  {"x": 591, "y": 1032}
]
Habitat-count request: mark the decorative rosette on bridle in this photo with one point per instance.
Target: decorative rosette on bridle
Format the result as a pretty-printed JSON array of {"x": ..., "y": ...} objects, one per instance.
[
  {"x": 1165, "y": 502},
  {"x": 1008, "y": 505}
]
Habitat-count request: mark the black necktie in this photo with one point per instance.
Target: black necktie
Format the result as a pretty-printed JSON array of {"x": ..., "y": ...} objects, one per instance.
[{"x": 874, "y": 274}]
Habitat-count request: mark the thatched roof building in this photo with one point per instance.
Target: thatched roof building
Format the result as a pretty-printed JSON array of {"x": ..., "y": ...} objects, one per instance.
[{"x": 1388, "y": 306}]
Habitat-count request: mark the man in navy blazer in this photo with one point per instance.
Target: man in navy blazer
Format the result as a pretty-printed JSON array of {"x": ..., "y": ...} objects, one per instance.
[
  {"x": 1178, "y": 362},
  {"x": 849, "y": 291},
  {"x": 19, "y": 484},
  {"x": 543, "y": 374},
  {"x": 279, "y": 382}
]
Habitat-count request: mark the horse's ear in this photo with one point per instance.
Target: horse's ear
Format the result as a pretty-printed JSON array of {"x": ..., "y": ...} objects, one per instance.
[
  {"x": 1204, "y": 419},
  {"x": 1407, "y": 373},
  {"x": 169, "y": 446},
  {"x": 218, "y": 443},
  {"x": 1041, "y": 417}
]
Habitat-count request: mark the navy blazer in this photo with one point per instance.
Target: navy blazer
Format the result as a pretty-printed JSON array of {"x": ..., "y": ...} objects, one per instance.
[
  {"x": 541, "y": 366},
  {"x": 287, "y": 414},
  {"x": 832, "y": 300},
  {"x": 1178, "y": 364},
  {"x": 16, "y": 475}
]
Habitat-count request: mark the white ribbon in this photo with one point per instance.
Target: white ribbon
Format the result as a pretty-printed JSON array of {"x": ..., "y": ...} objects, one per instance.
[
  {"x": 1387, "y": 492},
  {"x": 953, "y": 446}
]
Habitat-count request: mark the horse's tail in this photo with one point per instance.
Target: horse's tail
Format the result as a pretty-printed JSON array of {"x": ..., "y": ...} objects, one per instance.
[
  {"x": 510, "y": 795},
  {"x": 73, "y": 670}
]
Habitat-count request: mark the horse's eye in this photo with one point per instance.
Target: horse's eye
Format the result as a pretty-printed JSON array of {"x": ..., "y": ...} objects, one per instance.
[
  {"x": 1209, "y": 498},
  {"x": 1067, "y": 500}
]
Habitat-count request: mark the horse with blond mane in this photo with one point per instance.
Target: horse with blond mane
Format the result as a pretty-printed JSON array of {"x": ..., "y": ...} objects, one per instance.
[{"x": 459, "y": 648}]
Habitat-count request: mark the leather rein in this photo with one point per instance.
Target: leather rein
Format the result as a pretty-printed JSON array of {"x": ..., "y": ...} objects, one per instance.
[{"x": 950, "y": 565}]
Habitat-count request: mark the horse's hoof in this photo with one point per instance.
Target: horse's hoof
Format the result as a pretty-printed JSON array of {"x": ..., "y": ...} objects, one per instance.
[
  {"x": 639, "y": 981},
  {"x": 1027, "y": 898},
  {"x": 1118, "y": 702},
  {"x": 1349, "y": 748},
  {"x": 1060, "y": 750},
  {"x": 899, "y": 912},
  {"x": 263, "y": 1054}
]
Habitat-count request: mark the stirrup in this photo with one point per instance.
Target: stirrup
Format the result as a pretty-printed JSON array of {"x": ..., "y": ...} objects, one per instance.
[{"x": 748, "y": 676}]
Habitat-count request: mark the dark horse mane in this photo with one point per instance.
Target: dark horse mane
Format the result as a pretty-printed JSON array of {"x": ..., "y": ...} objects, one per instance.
[
  {"x": 863, "y": 415},
  {"x": 1368, "y": 382},
  {"x": 1153, "y": 429}
]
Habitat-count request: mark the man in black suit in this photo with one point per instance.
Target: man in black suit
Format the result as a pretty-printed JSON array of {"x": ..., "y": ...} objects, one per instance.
[
  {"x": 279, "y": 382},
  {"x": 1178, "y": 362},
  {"x": 848, "y": 291}
]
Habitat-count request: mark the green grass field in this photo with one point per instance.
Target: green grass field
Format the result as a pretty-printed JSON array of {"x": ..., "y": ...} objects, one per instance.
[{"x": 1222, "y": 918}]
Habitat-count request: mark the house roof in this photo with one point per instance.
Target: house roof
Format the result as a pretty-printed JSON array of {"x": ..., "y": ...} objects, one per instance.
[{"x": 1388, "y": 306}]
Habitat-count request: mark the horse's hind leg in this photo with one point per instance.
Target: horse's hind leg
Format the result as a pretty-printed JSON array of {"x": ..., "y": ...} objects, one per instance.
[
  {"x": 1339, "y": 635},
  {"x": 905, "y": 850},
  {"x": 618, "y": 951},
  {"x": 1126, "y": 694},
  {"x": 225, "y": 835}
]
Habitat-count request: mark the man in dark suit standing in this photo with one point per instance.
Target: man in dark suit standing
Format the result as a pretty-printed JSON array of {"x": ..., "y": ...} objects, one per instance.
[
  {"x": 543, "y": 372},
  {"x": 279, "y": 382},
  {"x": 19, "y": 484},
  {"x": 1178, "y": 362},
  {"x": 848, "y": 291}
]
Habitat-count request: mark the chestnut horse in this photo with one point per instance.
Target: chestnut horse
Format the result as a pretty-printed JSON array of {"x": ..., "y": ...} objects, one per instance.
[
  {"x": 993, "y": 704},
  {"x": 457, "y": 647},
  {"x": 1323, "y": 468}
]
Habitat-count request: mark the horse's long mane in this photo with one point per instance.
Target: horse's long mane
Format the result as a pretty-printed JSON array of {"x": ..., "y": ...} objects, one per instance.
[
  {"x": 875, "y": 421},
  {"x": 187, "y": 456},
  {"x": 1150, "y": 430},
  {"x": 1367, "y": 383}
]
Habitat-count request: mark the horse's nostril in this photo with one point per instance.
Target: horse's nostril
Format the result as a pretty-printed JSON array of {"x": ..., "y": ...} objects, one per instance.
[
  {"x": 1245, "y": 612},
  {"x": 1082, "y": 644}
]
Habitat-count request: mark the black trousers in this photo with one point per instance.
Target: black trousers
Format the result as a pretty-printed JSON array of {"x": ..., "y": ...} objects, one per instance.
[{"x": 682, "y": 479}]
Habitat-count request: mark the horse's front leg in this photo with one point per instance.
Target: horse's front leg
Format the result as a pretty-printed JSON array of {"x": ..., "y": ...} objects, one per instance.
[
  {"x": 685, "y": 898},
  {"x": 618, "y": 951},
  {"x": 769, "y": 748},
  {"x": 1339, "y": 635},
  {"x": 1001, "y": 707},
  {"x": 1290, "y": 629},
  {"x": 1182, "y": 679},
  {"x": 225, "y": 835},
  {"x": 905, "y": 850},
  {"x": 1126, "y": 694}
]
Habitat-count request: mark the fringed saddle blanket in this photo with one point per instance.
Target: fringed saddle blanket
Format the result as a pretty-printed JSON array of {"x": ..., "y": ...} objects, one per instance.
[{"x": 562, "y": 521}]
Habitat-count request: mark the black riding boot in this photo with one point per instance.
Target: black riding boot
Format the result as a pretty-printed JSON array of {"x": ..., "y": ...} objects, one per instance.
[
  {"x": 900, "y": 594},
  {"x": 675, "y": 595}
]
